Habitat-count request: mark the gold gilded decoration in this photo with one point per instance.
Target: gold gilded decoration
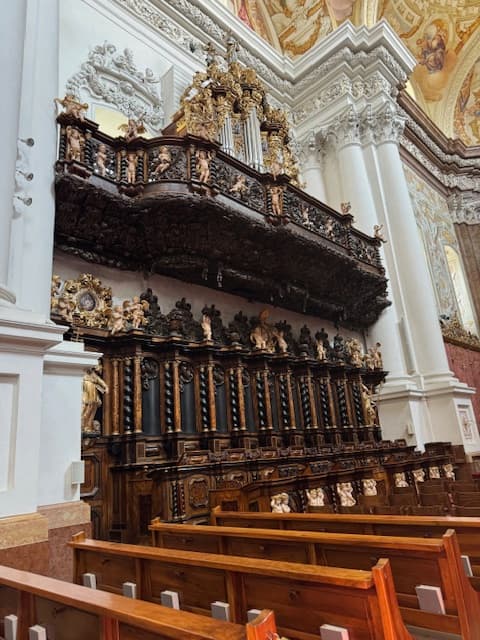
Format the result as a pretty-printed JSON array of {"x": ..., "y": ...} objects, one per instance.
[
  {"x": 72, "y": 106},
  {"x": 354, "y": 352},
  {"x": 454, "y": 331},
  {"x": 82, "y": 302},
  {"x": 232, "y": 96}
]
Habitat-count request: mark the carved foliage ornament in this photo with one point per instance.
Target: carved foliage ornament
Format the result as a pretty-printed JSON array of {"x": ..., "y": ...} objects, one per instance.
[{"x": 113, "y": 77}]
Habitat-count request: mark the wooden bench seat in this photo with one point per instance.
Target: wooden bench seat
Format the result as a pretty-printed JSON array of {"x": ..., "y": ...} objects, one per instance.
[
  {"x": 73, "y": 612},
  {"x": 303, "y": 597},
  {"x": 414, "y": 561},
  {"x": 467, "y": 529}
]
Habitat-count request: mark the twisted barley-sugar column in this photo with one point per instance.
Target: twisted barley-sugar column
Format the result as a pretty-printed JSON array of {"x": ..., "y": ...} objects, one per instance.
[
  {"x": 211, "y": 398},
  {"x": 291, "y": 405},
  {"x": 137, "y": 394},
  {"x": 116, "y": 398},
  {"x": 268, "y": 401},
  {"x": 311, "y": 397},
  {"x": 177, "y": 416},
  {"x": 241, "y": 399},
  {"x": 107, "y": 404}
]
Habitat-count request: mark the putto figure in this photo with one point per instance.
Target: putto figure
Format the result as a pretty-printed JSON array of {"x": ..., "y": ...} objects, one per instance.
[
  {"x": 133, "y": 129},
  {"x": 75, "y": 142},
  {"x": 72, "y": 106},
  {"x": 316, "y": 497},
  {"x": 202, "y": 166},
  {"x": 345, "y": 493}
]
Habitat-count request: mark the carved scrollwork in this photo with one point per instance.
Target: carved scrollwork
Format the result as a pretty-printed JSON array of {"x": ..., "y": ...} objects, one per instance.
[{"x": 150, "y": 371}]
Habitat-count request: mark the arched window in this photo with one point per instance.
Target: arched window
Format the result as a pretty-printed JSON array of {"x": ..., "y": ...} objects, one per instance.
[{"x": 462, "y": 294}]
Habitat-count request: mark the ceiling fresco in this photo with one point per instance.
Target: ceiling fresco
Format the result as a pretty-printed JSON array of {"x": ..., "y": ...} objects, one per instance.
[{"x": 443, "y": 35}]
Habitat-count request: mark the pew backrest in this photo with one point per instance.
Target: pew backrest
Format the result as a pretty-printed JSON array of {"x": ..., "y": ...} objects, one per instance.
[
  {"x": 76, "y": 612},
  {"x": 303, "y": 597},
  {"x": 414, "y": 561},
  {"x": 467, "y": 529}
]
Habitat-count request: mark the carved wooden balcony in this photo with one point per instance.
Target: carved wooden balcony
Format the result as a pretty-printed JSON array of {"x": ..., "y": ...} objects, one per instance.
[{"x": 144, "y": 205}]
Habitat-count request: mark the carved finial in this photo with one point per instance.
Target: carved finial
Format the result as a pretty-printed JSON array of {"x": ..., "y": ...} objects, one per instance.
[
  {"x": 345, "y": 208},
  {"x": 377, "y": 232}
]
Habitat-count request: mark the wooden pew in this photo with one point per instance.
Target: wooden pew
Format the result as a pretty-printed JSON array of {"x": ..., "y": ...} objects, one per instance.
[
  {"x": 73, "y": 612},
  {"x": 467, "y": 529},
  {"x": 414, "y": 561},
  {"x": 303, "y": 597}
]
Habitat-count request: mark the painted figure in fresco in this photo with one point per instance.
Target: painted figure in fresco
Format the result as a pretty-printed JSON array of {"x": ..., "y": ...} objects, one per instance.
[
  {"x": 93, "y": 389},
  {"x": 432, "y": 47}
]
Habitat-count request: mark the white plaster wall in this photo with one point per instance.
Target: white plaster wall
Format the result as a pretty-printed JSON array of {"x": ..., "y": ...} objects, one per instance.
[
  {"x": 60, "y": 442},
  {"x": 85, "y": 24}
]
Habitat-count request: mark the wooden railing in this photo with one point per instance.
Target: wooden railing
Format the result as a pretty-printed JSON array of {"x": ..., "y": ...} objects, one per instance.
[{"x": 149, "y": 167}]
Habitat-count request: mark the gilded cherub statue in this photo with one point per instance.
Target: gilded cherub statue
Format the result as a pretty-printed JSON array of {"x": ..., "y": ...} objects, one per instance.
[
  {"x": 72, "y": 106},
  {"x": 207, "y": 327},
  {"x": 133, "y": 129},
  {"x": 276, "y": 200},
  {"x": 202, "y": 166},
  {"x": 132, "y": 161},
  {"x": 75, "y": 141},
  {"x": 101, "y": 159}
]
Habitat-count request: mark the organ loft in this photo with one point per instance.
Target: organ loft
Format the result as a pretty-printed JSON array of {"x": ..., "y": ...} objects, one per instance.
[
  {"x": 186, "y": 406},
  {"x": 239, "y": 308}
]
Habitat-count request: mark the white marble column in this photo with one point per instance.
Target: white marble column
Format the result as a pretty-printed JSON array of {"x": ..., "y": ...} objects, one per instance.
[
  {"x": 31, "y": 248},
  {"x": 416, "y": 284},
  {"x": 12, "y": 25},
  {"x": 312, "y": 171}
]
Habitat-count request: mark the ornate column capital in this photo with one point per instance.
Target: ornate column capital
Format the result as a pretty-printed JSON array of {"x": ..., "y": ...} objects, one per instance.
[
  {"x": 389, "y": 124},
  {"x": 464, "y": 207}
]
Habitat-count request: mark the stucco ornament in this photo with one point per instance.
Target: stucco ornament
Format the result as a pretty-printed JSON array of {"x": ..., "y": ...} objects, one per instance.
[{"x": 113, "y": 77}]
